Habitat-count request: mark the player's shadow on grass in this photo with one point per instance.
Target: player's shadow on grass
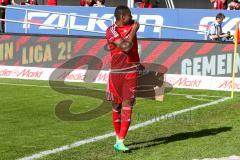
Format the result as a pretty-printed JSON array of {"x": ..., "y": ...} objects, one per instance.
[{"x": 178, "y": 137}]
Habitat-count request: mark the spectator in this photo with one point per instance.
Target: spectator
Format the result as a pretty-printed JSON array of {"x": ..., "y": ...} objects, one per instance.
[
  {"x": 219, "y": 4},
  {"x": 99, "y": 3},
  {"x": 145, "y": 4},
  {"x": 234, "y": 5},
  {"x": 87, "y": 3},
  {"x": 29, "y": 2},
  {"x": 52, "y": 2},
  {"x": 5, "y": 2},
  {"x": 136, "y": 3},
  {"x": 14, "y": 3},
  {"x": 215, "y": 30}
]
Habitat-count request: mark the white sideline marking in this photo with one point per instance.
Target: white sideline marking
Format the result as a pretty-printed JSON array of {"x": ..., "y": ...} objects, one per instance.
[
  {"x": 24, "y": 85},
  {"x": 199, "y": 99},
  {"x": 47, "y": 86},
  {"x": 140, "y": 125},
  {"x": 222, "y": 158},
  {"x": 200, "y": 95}
]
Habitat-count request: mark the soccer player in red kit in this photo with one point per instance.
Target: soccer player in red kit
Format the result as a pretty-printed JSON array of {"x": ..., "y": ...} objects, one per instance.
[{"x": 122, "y": 42}]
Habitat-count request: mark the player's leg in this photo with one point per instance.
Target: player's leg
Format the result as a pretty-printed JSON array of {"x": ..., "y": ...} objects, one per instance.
[
  {"x": 114, "y": 94},
  {"x": 116, "y": 117},
  {"x": 128, "y": 93},
  {"x": 126, "y": 114},
  {"x": 125, "y": 123}
]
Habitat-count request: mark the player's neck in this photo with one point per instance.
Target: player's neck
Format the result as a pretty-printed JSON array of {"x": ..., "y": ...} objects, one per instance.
[{"x": 119, "y": 23}]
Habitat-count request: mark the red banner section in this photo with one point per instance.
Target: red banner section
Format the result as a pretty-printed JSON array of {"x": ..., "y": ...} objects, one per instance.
[{"x": 188, "y": 58}]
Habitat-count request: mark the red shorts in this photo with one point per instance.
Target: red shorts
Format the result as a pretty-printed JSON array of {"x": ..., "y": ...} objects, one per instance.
[{"x": 122, "y": 87}]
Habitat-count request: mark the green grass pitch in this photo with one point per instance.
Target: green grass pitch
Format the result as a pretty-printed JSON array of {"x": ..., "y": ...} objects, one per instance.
[{"x": 29, "y": 125}]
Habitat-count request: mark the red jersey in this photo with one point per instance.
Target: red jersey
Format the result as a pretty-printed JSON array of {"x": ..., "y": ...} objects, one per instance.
[
  {"x": 143, "y": 5},
  {"x": 30, "y": 2},
  {"x": 33, "y": 2},
  {"x": 89, "y": 3},
  {"x": 119, "y": 58},
  {"x": 219, "y": 4},
  {"x": 5, "y": 2},
  {"x": 52, "y": 2}
]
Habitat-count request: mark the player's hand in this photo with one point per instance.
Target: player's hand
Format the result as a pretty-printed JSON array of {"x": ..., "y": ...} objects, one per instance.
[
  {"x": 141, "y": 69},
  {"x": 135, "y": 26}
]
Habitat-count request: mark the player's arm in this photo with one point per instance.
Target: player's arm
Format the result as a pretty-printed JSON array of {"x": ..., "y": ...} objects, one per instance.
[{"x": 127, "y": 44}]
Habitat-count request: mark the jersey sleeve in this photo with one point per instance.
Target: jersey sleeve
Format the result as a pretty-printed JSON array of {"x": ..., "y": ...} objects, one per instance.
[{"x": 112, "y": 35}]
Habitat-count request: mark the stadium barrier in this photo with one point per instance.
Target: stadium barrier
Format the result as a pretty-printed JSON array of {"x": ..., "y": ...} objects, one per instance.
[
  {"x": 66, "y": 23},
  {"x": 156, "y": 23}
]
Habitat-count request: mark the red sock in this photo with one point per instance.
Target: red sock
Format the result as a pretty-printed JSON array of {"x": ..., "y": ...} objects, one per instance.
[
  {"x": 126, "y": 120},
  {"x": 116, "y": 120}
]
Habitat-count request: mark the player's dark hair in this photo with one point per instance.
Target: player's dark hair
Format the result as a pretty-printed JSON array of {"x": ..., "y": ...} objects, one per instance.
[
  {"x": 121, "y": 10},
  {"x": 220, "y": 15}
]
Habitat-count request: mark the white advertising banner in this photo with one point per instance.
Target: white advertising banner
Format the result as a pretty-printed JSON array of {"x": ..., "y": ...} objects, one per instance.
[{"x": 79, "y": 75}]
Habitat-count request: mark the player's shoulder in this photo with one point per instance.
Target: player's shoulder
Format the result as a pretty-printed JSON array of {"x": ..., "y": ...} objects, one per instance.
[
  {"x": 111, "y": 28},
  {"x": 111, "y": 31}
]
